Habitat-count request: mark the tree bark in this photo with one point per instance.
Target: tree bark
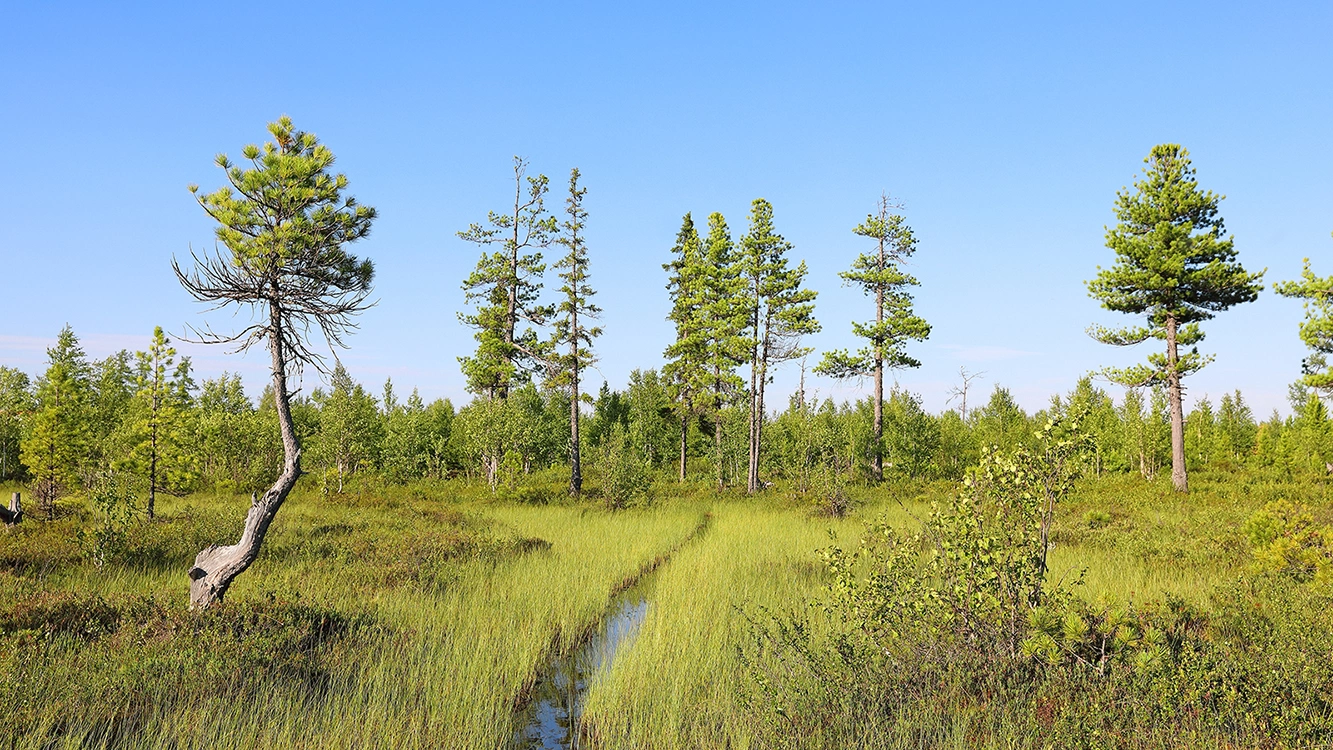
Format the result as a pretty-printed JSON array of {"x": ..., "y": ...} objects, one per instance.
[
  {"x": 752, "y": 466},
  {"x": 1178, "y": 476},
  {"x": 575, "y": 466},
  {"x": 877, "y": 464},
  {"x": 217, "y": 566}
]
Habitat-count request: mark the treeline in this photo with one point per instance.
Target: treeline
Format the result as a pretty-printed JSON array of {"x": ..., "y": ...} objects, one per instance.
[{"x": 144, "y": 415}]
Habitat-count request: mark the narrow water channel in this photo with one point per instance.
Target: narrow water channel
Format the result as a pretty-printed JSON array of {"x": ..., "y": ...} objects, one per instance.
[{"x": 552, "y": 716}]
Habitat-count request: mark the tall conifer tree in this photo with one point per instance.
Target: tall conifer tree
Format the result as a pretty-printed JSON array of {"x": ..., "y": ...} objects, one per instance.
[
  {"x": 505, "y": 288},
  {"x": 686, "y": 365},
  {"x": 58, "y": 434},
  {"x": 725, "y": 318},
  {"x": 781, "y": 311},
  {"x": 574, "y": 313},
  {"x": 1175, "y": 267},
  {"x": 880, "y": 274}
]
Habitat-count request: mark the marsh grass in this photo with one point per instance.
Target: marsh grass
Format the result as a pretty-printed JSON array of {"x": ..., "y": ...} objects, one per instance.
[{"x": 418, "y": 616}]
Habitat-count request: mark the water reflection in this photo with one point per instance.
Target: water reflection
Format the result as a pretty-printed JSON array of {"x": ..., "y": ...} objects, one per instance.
[{"x": 557, "y": 701}]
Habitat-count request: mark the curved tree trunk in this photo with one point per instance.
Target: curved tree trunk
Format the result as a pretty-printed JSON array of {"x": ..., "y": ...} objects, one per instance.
[{"x": 217, "y": 566}]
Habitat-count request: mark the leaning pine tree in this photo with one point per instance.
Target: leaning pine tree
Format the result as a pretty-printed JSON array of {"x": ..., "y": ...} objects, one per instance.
[
  {"x": 880, "y": 274},
  {"x": 574, "y": 313},
  {"x": 1175, "y": 267},
  {"x": 284, "y": 224},
  {"x": 1317, "y": 328}
]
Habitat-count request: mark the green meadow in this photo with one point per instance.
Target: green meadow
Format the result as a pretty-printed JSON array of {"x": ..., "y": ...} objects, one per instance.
[{"x": 422, "y": 616}]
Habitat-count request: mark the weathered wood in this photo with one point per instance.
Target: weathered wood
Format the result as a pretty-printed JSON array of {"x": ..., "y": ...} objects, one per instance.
[{"x": 14, "y": 513}]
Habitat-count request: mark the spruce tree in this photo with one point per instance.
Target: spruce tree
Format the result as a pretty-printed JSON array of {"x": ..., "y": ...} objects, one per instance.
[
  {"x": 780, "y": 312},
  {"x": 59, "y": 431},
  {"x": 1317, "y": 328},
  {"x": 283, "y": 227},
  {"x": 686, "y": 368},
  {"x": 1175, "y": 267},
  {"x": 159, "y": 451},
  {"x": 572, "y": 330},
  {"x": 725, "y": 316},
  {"x": 505, "y": 288},
  {"x": 880, "y": 274}
]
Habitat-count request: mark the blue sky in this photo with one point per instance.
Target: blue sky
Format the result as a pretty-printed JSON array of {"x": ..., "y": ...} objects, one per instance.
[{"x": 1006, "y": 130}]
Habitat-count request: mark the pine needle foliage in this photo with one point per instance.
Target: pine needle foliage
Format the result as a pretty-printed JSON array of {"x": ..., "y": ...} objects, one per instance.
[
  {"x": 284, "y": 222},
  {"x": 160, "y": 453},
  {"x": 58, "y": 433},
  {"x": 880, "y": 275},
  {"x": 1317, "y": 328},
  {"x": 505, "y": 289},
  {"x": 1176, "y": 267},
  {"x": 781, "y": 311},
  {"x": 574, "y": 312}
]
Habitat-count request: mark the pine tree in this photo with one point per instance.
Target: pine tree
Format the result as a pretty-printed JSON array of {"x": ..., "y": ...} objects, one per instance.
[
  {"x": 880, "y": 274},
  {"x": 1175, "y": 267},
  {"x": 58, "y": 434},
  {"x": 572, "y": 328},
  {"x": 725, "y": 316},
  {"x": 505, "y": 288},
  {"x": 285, "y": 224},
  {"x": 159, "y": 450},
  {"x": 780, "y": 313},
  {"x": 686, "y": 368},
  {"x": 1317, "y": 328}
]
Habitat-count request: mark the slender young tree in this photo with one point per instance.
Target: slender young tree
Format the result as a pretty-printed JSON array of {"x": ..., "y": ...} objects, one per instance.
[
  {"x": 351, "y": 427},
  {"x": 725, "y": 317},
  {"x": 781, "y": 312},
  {"x": 505, "y": 288},
  {"x": 1317, "y": 328},
  {"x": 285, "y": 224},
  {"x": 880, "y": 274},
  {"x": 58, "y": 434},
  {"x": 1175, "y": 267},
  {"x": 159, "y": 451},
  {"x": 686, "y": 365},
  {"x": 575, "y": 312}
]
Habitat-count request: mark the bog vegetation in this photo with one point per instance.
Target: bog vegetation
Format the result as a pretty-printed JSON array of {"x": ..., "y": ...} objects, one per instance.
[{"x": 818, "y": 574}]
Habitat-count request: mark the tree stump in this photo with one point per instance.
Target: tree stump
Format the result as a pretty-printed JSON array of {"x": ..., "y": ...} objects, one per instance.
[{"x": 14, "y": 513}]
